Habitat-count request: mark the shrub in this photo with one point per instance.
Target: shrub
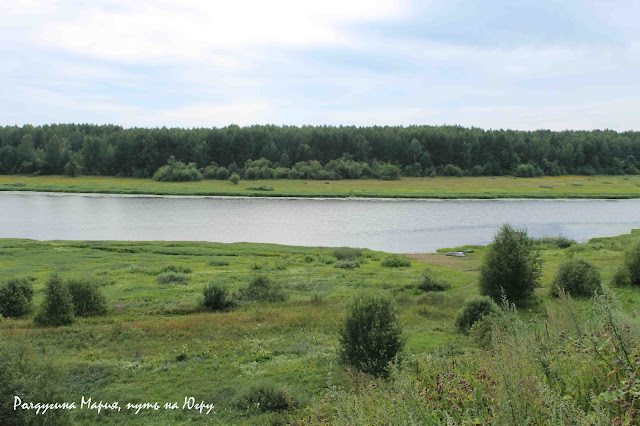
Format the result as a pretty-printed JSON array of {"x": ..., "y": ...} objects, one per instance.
[
  {"x": 15, "y": 297},
  {"x": 347, "y": 253},
  {"x": 558, "y": 241},
  {"x": 177, "y": 171},
  {"x": 429, "y": 282},
  {"x": 371, "y": 335},
  {"x": 632, "y": 264},
  {"x": 473, "y": 311},
  {"x": 511, "y": 266},
  {"x": 263, "y": 289},
  {"x": 621, "y": 277},
  {"x": 177, "y": 269},
  {"x": 217, "y": 298},
  {"x": 172, "y": 277},
  {"x": 451, "y": 170},
  {"x": 395, "y": 261},
  {"x": 577, "y": 277},
  {"x": 87, "y": 298},
  {"x": 347, "y": 264},
  {"x": 57, "y": 308},
  {"x": 265, "y": 397},
  {"x": 234, "y": 178}
]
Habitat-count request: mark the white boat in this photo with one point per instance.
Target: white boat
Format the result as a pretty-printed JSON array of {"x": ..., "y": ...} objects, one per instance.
[{"x": 455, "y": 253}]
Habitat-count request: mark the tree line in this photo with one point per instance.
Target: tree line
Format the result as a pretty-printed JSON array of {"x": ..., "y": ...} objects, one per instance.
[{"x": 321, "y": 152}]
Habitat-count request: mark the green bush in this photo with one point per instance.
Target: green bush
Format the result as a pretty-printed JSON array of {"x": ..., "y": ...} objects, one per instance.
[
  {"x": 451, "y": 170},
  {"x": 57, "y": 308},
  {"x": 263, "y": 289},
  {"x": 511, "y": 266},
  {"x": 347, "y": 253},
  {"x": 177, "y": 171},
  {"x": 371, "y": 335},
  {"x": 347, "y": 264},
  {"x": 217, "y": 297},
  {"x": 429, "y": 282},
  {"x": 87, "y": 298},
  {"x": 621, "y": 277},
  {"x": 177, "y": 269},
  {"x": 395, "y": 261},
  {"x": 265, "y": 397},
  {"x": 632, "y": 264},
  {"x": 15, "y": 297},
  {"x": 172, "y": 278},
  {"x": 557, "y": 241},
  {"x": 577, "y": 277},
  {"x": 473, "y": 311},
  {"x": 234, "y": 178}
]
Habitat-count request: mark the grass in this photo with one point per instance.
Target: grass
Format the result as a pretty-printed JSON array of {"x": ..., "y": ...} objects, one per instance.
[
  {"x": 158, "y": 343},
  {"x": 438, "y": 187}
]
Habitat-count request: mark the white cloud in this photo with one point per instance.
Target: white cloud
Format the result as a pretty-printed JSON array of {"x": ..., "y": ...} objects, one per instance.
[{"x": 192, "y": 29}]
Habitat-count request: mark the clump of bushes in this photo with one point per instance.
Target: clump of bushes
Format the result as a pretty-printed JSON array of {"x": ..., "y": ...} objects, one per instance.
[
  {"x": 347, "y": 264},
  {"x": 347, "y": 253},
  {"x": 172, "y": 278},
  {"x": 234, "y": 178},
  {"x": 632, "y": 264},
  {"x": 429, "y": 282},
  {"x": 177, "y": 171},
  {"x": 16, "y": 296},
  {"x": 87, "y": 298},
  {"x": 511, "y": 266},
  {"x": 57, "y": 308},
  {"x": 577, "y": 277},
  {"x": 474, "y": 310},
  {"x": 559, "y": 241},
  {"x": 266, "y": 397},
  {"x": 263, "y": 289},
  {"x": 217, "y": 297},
  {"x": 260, "y": 188},
  {"x": 370, "y": 337},
  {"x": 179, "y": 269},
  {"x": 395, "y": 261}
]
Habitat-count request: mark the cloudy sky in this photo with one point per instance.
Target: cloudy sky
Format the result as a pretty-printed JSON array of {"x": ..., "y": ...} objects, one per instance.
[{"x": 495, "y": 64}]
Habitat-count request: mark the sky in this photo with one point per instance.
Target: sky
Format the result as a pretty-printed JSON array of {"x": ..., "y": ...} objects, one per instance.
[{"x": 526, "y": 64}]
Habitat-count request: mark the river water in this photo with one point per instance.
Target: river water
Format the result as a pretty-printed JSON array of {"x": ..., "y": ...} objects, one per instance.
[{"x": 392, "y": 225}]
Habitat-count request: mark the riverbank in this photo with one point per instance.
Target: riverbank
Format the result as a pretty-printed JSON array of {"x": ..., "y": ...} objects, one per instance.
[
  {"x": 158, "y": 343},
  {"x": 482, "y": 187}
]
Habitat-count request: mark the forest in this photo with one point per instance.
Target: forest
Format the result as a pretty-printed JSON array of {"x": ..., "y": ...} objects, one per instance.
[{"x": 315, "y": 152}]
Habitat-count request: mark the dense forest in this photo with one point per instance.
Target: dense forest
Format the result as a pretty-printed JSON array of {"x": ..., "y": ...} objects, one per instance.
[{"x": 314, "y": 152}]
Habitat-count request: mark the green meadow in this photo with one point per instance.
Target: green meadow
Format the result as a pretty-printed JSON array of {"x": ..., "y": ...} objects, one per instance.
[
  {"x": 158, "y": 343},
  {"x": 437, "y": 187}
]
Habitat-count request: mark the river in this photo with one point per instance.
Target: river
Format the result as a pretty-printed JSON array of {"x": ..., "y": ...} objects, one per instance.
[{"x": 392, "y": 225}]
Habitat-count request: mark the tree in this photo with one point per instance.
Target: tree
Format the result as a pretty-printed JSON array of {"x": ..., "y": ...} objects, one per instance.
[
  {"x": 371, "y": 335},
  {"x": 57, "y": 308},
  {"x": 511, "y": 266}
]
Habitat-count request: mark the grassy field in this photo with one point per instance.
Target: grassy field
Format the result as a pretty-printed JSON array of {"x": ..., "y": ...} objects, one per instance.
[
  {"x": 157, "y": 343},
  {"x": 438, "y": 187}
]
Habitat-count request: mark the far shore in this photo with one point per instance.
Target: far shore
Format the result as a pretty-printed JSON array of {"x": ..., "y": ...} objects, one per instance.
[{"x": 482, "y": 187}]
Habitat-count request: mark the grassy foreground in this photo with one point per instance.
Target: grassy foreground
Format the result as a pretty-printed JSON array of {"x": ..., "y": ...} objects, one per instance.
[
  {"x": 438, "y": 187},
  {"x": 157, "y": 343}
]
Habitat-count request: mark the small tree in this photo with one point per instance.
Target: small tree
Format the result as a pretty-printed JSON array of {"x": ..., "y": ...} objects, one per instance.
[
  {"x": 511, "y": 266},
  {"x": 371, "y": 335},
  {"x": 87, "y": 298},
  {"x": 263, "y": 289},
  {"x": 234, "y": 179},
  {"x": 577, "y": 277},
  {"x": 15, "y": 297},
  {"x": 57, "y": 307}
]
